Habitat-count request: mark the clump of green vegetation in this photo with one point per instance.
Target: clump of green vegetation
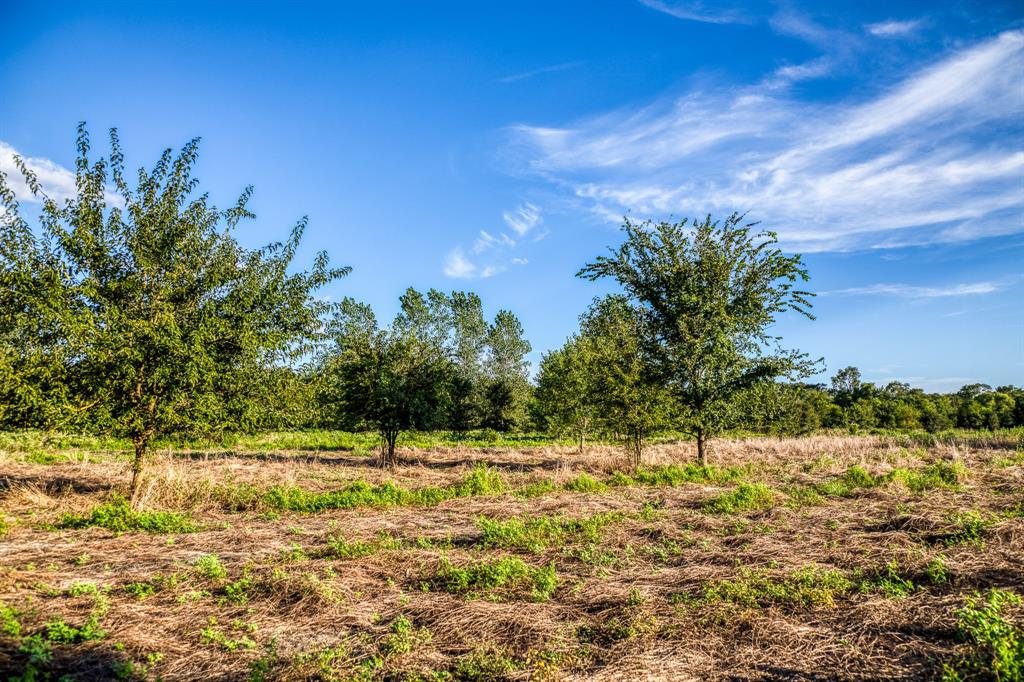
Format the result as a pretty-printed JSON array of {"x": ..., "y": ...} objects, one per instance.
[
  {"x": 118, "y": 516},
  {"x": 338, "y": 547},
  {"x": 618, "y": 628},
  {"x": 482, "y": 480},
  {"x": 232, "y": 640},
  {"x": 537, "y": 489},
  {"x": 745, "y": 497},
  {"x": 538, "y": 533},
  {"x": 485, "y": 664},
  {"x": 585, "y": 484},
  {"x": 807, "y": 587},
  {"x": 947, "y": 475},
  {"x": 939, "y": 475},
  {"x": 210, "y": 567},
  {"x": 675, "y": 475},
  {"x": 937, "y": 572},
  {"x": 404, "y": 637},
  {"x": 889, "y": 581},
  {"x": 9, "y": 623},
  {"x": 504, "y": 573},
  {"x": 998, "y": 645},
  {"x": 970, "y": 528}
]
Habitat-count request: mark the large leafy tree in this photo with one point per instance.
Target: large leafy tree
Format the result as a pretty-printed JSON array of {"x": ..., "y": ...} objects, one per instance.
[
  {"x": 144, "y": 302},
  {"x": 706, "y": 294}
]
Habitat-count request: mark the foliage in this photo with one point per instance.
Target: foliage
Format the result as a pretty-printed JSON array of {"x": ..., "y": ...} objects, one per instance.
[
  {"x": 998, "y": 644},
  {"x": 118, "y": 516},
  {"x": 705, "y": 295},
  {"x": 630, "y": 402},
  {"x": 149, "y": 315}
]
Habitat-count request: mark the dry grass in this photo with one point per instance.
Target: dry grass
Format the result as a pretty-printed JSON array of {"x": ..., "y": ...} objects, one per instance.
[{"x": 349, "y": 593}]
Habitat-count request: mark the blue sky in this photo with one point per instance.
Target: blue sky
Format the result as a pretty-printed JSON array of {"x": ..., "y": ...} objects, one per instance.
[{"x": 495, "y": 146}]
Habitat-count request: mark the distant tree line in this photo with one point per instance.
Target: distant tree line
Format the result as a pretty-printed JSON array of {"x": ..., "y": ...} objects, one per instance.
[{"x": 131, "y": 309}]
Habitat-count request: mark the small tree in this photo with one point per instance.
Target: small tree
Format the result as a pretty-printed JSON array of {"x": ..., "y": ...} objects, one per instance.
[
  {"x": 707, "y": 294},
  {"x": 630, "y": 402},
  {"x": 505, "y": 367},
  {"x": 390, "y": 379},
  {"x": 567, "y": 390},
  {"x": 161, "y": 315}
]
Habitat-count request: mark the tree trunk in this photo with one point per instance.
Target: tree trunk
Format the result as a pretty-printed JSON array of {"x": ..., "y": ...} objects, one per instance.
[
  {"x": 582, "y": 436},
  {"x": 701, "y": 453},
  {"x": 387, "y": 450},
  {"x": 137, "y": 464}
]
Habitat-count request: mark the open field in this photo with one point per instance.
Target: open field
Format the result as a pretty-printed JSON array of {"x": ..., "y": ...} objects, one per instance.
[{"x": 825, "y": 557}]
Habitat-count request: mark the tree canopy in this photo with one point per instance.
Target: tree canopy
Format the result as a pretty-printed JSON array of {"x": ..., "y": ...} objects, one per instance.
[
  {"x": 143, "y": 301},
  {"x": 706, "y": 294}
]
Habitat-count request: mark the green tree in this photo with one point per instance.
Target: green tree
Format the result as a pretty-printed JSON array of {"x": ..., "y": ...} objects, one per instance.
[
  {"x": 567, "y": 390},
  {"x": 505, "y": 367},
  {"x": 162, "y": 316},
  {"x": 707, "y": 294},
  {"x": 390, "y": 379},
  {"x": 630, "y": 402}
]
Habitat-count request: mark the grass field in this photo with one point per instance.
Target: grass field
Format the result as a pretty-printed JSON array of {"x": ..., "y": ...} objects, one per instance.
[{"x": 293, "y": 557}]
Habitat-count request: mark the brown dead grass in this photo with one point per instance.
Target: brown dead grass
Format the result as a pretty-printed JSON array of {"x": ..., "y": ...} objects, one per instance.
[{"x": 625, "y": 608}]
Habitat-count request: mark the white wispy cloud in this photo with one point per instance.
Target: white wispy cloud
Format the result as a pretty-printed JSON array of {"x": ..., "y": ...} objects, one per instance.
[
  {"x": 937, "y": 156},
  {"x": 893, "y": 29},
  {"x": 521, "y": 221},
  {"x": 458, "y": 266},
  {"x": 542, "y": 70},
  {"x": 57, "y": 181},
  {"x": 910, "y": 291},
  {"x": 696, "y": 11}
]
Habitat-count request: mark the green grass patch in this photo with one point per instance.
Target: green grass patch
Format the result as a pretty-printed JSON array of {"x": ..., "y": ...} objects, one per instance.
[
  {"x": 807, "y": 587},
  {"x": 505, "y": 574},
  {"x": 482, "y": 480},
  {"x": 118, "y": 516},
  {"x": 675, "y": 475},
  {"x": 541, "y": 532},
  {"x": 744, "y": 497}
]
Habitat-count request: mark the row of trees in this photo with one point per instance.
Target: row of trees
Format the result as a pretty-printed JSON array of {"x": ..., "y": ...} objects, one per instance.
[{"x": 133, "y": 310}]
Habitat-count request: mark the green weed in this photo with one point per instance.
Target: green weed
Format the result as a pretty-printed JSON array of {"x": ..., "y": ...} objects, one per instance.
[
  {"x": 504, "y": 573},
  {"x": 745, "y": 497},
  {"x": 538, "y": 533},
  {"x": 998, "y": 645},
  {"x": 807, "y": 587},
  {"x": 118, "y": 516}
]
